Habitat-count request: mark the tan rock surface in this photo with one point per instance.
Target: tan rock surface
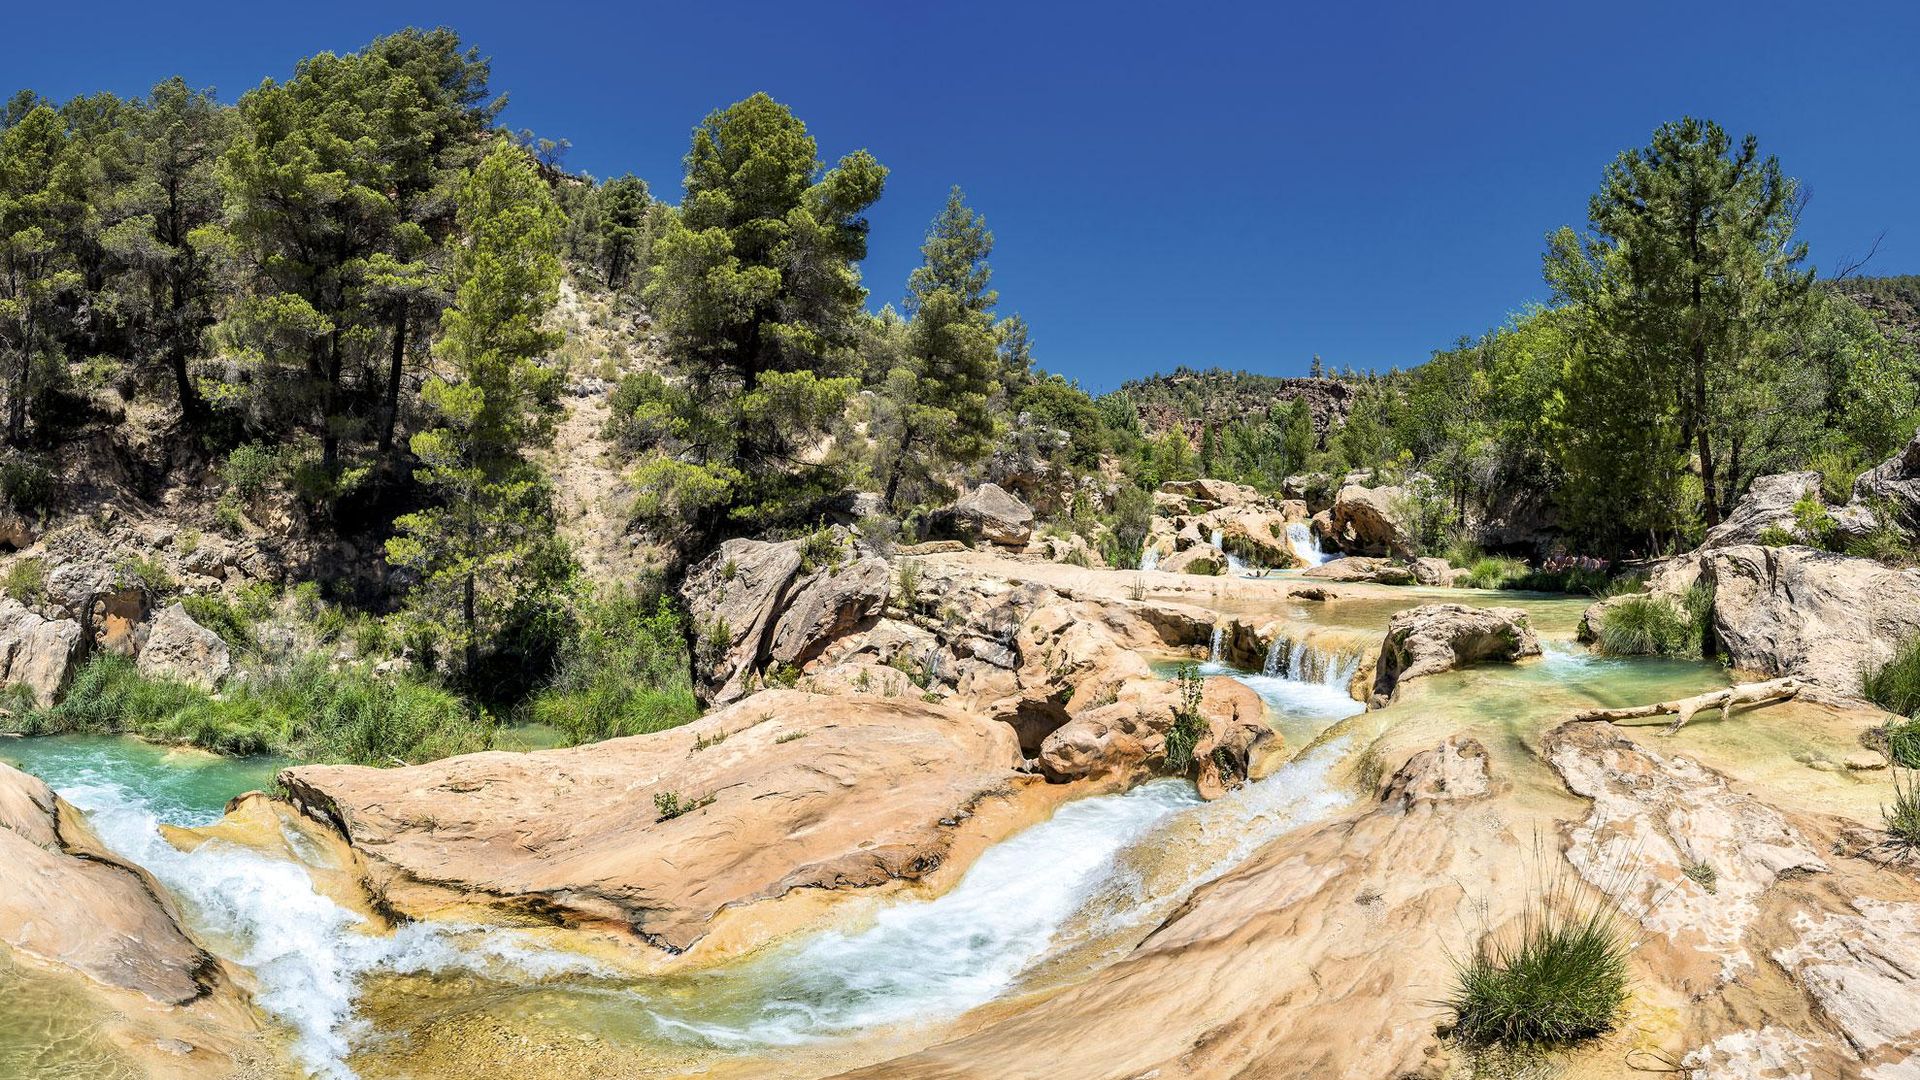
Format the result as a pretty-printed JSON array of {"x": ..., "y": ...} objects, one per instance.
[
  {"x": 1433, "y": 638},
  {"x": 806, "y": 792}
]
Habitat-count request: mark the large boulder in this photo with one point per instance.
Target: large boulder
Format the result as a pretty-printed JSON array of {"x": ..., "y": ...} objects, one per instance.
[
  {"x": 36, "y": 652},
  {"x": 1198, "y": 559},
  {"x": 1368, "y": 521},
  {"x": 1127, "y": 738},
  {"x": 69, "y": 902},
  {"x": 1204, "y": 495},
  {"x": 1433, "y": 638},
  {"x": 1357, "y": 568},
  {"x": 1253, "y": 533},
  {"x": 1433, "y": 571},
  {"x": 653, "y": 835},
  {"x": 830, "y": 602},
  {"x": 987, "y": 513},
  {"x": 1823, "y": 618},
  {"x": 1768, "y": 504},
  {"x": 1896, "y": 482},
  {"x": 180, "y": 649}
]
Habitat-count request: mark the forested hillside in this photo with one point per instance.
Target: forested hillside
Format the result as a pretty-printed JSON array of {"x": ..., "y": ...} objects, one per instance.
[{"x": 321, "y": 326}]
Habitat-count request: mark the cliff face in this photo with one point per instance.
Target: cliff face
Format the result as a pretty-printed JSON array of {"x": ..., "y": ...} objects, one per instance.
[{"x": 1189, "y": 399}]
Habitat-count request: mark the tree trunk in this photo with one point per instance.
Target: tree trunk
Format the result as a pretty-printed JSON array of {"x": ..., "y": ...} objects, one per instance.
[
  {"x": 1684, "y": 709},
  {"x": 390, "y": 409},
  {"x": 472, "y": 652},
  {"x": 329, "y": 432}
]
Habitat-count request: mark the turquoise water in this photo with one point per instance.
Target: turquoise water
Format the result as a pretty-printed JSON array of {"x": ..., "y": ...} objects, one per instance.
[{"x": 178, "y": 786}]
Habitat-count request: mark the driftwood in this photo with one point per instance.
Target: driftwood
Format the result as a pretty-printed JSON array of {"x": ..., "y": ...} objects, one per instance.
[{"x": 1683, "y": 709}]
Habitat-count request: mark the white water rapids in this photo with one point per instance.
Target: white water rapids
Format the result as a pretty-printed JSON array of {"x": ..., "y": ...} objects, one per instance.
[
  {"x": 1305, "y": 544},
  {"x": 1095, "y": 876}
]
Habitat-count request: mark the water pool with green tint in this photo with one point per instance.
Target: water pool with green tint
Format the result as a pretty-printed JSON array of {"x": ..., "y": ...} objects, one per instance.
[{"x": 180, "y": 786}]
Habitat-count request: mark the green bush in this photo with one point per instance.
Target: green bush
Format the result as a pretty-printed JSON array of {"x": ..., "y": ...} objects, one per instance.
[
  {"x": 1816, "y": 525},
  {"x": 250, "y": 468},
  {"x": 1183, "y": 735},
  {"x": 1895, "y": 685},
  {"x": 212, "y": 611},
  {"x": 149, "y": 573},
  {"x": 1655, "y": 625},
  {"x": 1885, "y": 542},
  {"x": 623, "y": 671},
  {"x": 312, "y": 712},
  {"x": 1561, "y": 977},
  {"x": 27, "y": 486},
  {"x": 1775, "y": 536},
  {"x": 1902, "y": 738},
  {"x": 1838, "y": 470}
]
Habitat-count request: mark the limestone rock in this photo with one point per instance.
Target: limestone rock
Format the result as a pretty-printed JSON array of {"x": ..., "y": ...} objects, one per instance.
[
  {"x": 734, "y": 597},
  {"x": 1432, "y": 571},
  {"x": 36, "y": 652},
  {"x": 1768, "y": 504},
  {"x": 1367, "y": 521},
  {"x": 70, "y": 903},
  {"x": 1072, "y": 549},
  {"x": 1895, "y": 481},
  {"x": 1822, "y": 618},
  {"x": 1204, "y": 495},
  {"x": 1198, "y": 559},
  {"x": 1360, "y": 568},
  {"x": 782, "y": 791},
  {"x": 1865, "y": 760},
  {"x": 1433, "y": 638},
  {"x": 827, "y": 604},
  {"x": 180, "y": 649},
  {"x": 986, "y": 513}
]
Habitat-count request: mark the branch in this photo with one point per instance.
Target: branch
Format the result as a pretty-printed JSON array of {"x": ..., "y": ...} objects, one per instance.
[
  {"x": 1848, "y": 269},
  {"x": 1683, "y": 709}
]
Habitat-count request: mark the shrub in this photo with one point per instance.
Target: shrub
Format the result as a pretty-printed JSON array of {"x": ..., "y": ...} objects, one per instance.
[
  {"x": 1895, "y": 685},
  {"x": 149, "y": 573},
  {"x": 250, "y": 468},
  {"x": 1775, "y": 536},
  {"x": 1561, "y": 977},
  {"x": 907, "y": 592},
  {"x": 212, "y": 611},
  {"x": 26, "y": 580},
  {"x": 821, "y": 548},
  {"x": 1816, "y": 525},
  {"x": 1838, "y": 470},
  {"x": 1903, "y": 817},
  {"x": 27, "y": 486},
  {"x": 622, "y": 671},
  {"x": 1885, "y": 542}
]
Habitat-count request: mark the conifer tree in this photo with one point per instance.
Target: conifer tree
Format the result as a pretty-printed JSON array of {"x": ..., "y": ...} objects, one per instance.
[
  {"x": 481, "y": 551},
  {"x": 41, "y": 195}
]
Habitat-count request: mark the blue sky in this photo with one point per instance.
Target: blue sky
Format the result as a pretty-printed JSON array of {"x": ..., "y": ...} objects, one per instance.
[{"x": 1242, "y": 185}]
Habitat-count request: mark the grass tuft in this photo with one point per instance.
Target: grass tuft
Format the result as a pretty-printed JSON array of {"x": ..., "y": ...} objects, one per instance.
[
  {"x": 1903, "y": 817},
  {"x": 1655, "y": 625},
  {"x": 1559, "y": 978},
  {"x": 1895, "y": 685}
]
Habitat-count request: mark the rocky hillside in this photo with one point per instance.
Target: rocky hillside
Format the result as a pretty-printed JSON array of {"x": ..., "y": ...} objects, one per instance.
[{"x": 1190, "y": 400}]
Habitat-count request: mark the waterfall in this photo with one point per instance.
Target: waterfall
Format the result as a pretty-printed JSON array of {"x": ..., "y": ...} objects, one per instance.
[
  {"x": 1305, "y": 545},
  {"x": 1236, "y": 566},
  {"x": 1219, "y": 642},
  {"x": 1274, "y": 648},
  {"x": 1150, "y": 557}
]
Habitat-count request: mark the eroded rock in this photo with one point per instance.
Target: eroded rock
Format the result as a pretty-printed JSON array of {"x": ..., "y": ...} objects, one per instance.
[
  {"x": 180, "y": 649},
  {"x": 36, "y": 652},
  {"x": 1367, "y": 521},
  {"x": 1433, "y": 638},
  {"x": 1823, "y": 618},
  {"x": 987, "y": 513}
]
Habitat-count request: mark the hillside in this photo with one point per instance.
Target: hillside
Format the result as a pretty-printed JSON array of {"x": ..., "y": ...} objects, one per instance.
[{"x": 1190, "y": 399}]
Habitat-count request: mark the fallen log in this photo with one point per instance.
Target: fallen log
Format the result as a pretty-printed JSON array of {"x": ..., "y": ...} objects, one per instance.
[{"x": 1684, "y": 709}]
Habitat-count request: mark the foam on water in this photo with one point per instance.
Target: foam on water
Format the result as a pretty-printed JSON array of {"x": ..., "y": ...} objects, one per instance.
[
  {"x": 307, "y": 953},
  {"x": 1306, "y": 545}
]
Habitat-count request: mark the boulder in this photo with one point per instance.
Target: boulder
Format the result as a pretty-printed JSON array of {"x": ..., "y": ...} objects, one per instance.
[
  {"x": 36, "y": 652},
  {"x": 1127, "y": 737},
  {"x": 1768, "y": 504},
  {"x": 1825, "y": 619},
  {"x": 1433, "y": 571},
  {"x": 734, "y": 597},
  {"x": 1198, "y": 559},
  {"x": 1433, "y": 638},
  {"x": 987, "y": 513},
  {"x": 118, "y": 620},
  {"x": 180, "y": 649},
  {"x": 1895, "y": 481},
  {"x": 1203, "y": 495},
  {"x": 1367, "y": 521},
  {"x": 1255, "y": 534},
  {"x": 653, "y": 835},
  {"x": 1072, "y": 549},
  {"x": 69, "y": 902},
  {"x": 1359, "y": 568}
]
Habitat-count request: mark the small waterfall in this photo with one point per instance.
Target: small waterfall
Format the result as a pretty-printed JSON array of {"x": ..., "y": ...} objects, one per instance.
[
  {"x": 1305, "y": 545},
  {"x": 1236, "y": 566},
  {"x": 1274, "y": 649},
  {"x": 1219, "y": 643},
  {"x": 1150, "y": 557}
]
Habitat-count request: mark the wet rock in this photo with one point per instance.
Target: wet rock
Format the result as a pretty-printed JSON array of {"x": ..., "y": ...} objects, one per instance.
[
  {"x": 180, "y": 649},
  {"x": 1359, "y": 568},
  {"x": 1433, "y": 638},
  {"x": 987, "y": 513},
  {"x": 36, "y": 652},
  {"x": 654, "y": 834}
]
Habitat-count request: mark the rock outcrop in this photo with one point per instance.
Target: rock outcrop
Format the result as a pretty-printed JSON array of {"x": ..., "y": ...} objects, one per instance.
[
  {"x": 1367, "y": 521},
  {"x": 1894, "y": 482},
  {"x": 985, "y": 514},
  {"x": 1198, "y": 559},
  {"x": 180, "y": 649},
  {"x": 1433, "y": 571},
  {"x": 653, "y": 835},
  {"x": 36, "y": 652},
  {"x": 1768, "y": 504},
  {"x": 1823, "y": 618},
  {"x": 1433, "y": 638},
  {"x": 1361, "y": 568}
]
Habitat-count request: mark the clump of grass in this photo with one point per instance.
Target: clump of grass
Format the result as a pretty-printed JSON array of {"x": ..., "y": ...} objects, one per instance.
[
  {"x": 791, "y": 736},
  {"x": 25, "y": 581},
  {"x": 1559, "y": 978},
  {"x": 622, "y": 671},
  {"x": 1903, "y": 817},
  {"x": 1656, "y": 625},
  {"x": 1494, "y": 572},
  {"x": 1704, "y": 875},
  {"x": 1183, "y": 735},
  {"x": 1895, "y": 685},
  {"x": 1902, "y": 740},
  {"x": 669, "y": 804},
  {"x": 212, "y": 611}
]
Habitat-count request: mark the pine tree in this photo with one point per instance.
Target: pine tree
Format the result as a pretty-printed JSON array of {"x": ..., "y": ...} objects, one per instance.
[
  {"x": 41, "y": 196},
  {"x": 481, "y": 551},
  {"x": 624, "y": 206},
  {"x": 942, "y": 391},
  {"x": 1692, "y": 277}
]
